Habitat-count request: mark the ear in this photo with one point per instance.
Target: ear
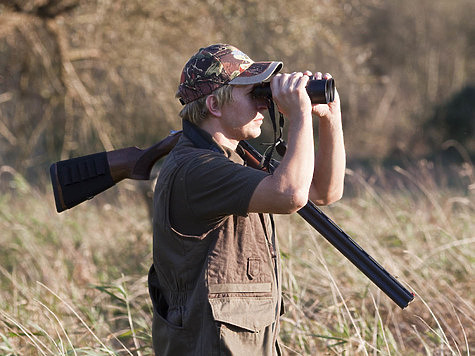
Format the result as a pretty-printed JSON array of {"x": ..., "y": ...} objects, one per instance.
[{"x": 212, "y": 105}]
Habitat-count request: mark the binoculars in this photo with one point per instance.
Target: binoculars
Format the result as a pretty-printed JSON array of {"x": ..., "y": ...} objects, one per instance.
[{"x": 320, "y": 91}]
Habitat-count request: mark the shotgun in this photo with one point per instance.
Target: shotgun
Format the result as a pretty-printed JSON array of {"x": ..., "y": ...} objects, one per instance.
[{"x": 78, "y": 179}]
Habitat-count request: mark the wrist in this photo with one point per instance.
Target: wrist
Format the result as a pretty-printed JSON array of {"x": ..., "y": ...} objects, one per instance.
[
  {"x": 300, "y": 119},
  {"x": 333, "y": 118}
]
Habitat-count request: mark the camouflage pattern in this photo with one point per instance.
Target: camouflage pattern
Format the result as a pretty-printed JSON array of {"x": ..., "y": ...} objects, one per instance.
[{"x": 215, "y": 66}]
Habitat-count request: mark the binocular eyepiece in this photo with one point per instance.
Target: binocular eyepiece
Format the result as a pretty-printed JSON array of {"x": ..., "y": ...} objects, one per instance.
[{"x": 320, "y": 91}]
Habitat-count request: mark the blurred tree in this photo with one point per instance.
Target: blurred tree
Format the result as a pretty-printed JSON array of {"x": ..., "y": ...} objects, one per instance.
[
  {"x": 41, "y": 8},
  {"x": 418, "y": 58},
  {"x": 79, "y": 76},
  {"x": 453, "y": 120},
  {"x": 32, "y": 90}
]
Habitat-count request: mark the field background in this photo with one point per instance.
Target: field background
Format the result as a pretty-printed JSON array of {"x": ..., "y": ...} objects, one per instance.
[{"x": 82, "y": 76}]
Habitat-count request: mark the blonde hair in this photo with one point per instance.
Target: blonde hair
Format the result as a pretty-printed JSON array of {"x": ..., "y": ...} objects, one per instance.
[{"x": 197, "y": 111}]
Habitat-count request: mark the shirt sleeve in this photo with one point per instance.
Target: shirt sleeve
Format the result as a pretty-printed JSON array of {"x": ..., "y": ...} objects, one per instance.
[{"x": 216, "y": 186}]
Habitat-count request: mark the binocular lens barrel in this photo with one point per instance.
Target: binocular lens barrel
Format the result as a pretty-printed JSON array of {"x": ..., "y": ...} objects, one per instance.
[{"x": 320, "y": 91}]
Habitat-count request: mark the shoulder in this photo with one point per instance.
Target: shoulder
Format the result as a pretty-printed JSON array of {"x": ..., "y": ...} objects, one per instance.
[
  {"x": 201, "y": 167},
  {"x": 185, "y": 149}
]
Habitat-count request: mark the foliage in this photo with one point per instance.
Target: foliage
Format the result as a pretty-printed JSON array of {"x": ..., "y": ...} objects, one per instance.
[
  {"x": 79, "y": 76},
  {"x": 454, "y": 120}
]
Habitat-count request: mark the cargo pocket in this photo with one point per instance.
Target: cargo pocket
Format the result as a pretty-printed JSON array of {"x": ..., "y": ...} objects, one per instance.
[
  {"x": 248, "y": 314},
  {"x": 244, "y": 325},
  {"x": 169, "y": 338},
  {"x": 168, "y": 332}
]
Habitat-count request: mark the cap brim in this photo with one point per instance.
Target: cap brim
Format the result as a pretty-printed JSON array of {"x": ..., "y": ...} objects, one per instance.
[{"x": 257, "y": 72}]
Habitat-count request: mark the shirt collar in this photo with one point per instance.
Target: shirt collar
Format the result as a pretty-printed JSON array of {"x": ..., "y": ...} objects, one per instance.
[{"x": 202, "y": 139}]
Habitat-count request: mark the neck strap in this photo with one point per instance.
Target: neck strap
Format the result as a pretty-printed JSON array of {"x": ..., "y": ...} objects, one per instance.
[{"x": 278, "y": 141}]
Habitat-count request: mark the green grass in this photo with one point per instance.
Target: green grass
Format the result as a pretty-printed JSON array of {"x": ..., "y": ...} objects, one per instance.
[{"x": 75, "y": 283}]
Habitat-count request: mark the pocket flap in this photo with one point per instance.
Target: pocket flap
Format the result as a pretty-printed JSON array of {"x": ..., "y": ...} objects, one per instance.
[
  {"x": 240, "y": 288},
  {"x": 250, "y": 314}
]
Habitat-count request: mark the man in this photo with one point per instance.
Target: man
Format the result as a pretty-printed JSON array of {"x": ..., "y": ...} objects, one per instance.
[{"x": 215, "y": 282}]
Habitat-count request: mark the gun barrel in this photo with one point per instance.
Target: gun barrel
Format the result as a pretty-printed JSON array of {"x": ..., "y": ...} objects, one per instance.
[
  {"x": 356, "y": 255},
  {"x": 345, "y": 244}
]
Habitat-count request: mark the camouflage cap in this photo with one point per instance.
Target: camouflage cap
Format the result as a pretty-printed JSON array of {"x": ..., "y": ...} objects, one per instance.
[{"x": 217, "y": 65}]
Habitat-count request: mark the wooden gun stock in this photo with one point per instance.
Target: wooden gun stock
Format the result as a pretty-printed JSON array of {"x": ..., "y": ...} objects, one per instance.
[{"x": 78, "y": 179}]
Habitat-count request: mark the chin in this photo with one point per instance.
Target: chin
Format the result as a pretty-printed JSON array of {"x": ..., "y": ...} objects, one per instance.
[{"x": 255, "y": 133}]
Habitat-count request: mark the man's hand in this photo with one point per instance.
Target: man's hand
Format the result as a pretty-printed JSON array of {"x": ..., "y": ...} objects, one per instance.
[
  {"x": 290, "y": 94},
  {"x": 331, "y": 110}
]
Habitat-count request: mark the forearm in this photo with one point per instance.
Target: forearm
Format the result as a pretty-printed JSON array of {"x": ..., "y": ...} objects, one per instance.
[
  {"x": 287, "y": 189},
  {"x": 330, "y": 163},
  {"x": 295, "y": 172}
]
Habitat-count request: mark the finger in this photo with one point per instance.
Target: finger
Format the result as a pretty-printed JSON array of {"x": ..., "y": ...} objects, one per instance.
[
  {"x": 293, "y": 78},
  {"x": 276, "y": 83},
  {"x": 281, "y": 84},
  {"x": 281, "y": 78},
  {"x": 318, "y": 75},
  {"x": 301, "y": 80},
  {"x": 327, "y": 76},
  {"x": 307, "y": 72},
  {"x": 304, "y": 78}
]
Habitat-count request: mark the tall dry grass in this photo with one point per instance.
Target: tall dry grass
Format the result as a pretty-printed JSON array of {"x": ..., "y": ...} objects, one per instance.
[
  {"x": 75, "y": 283},
  {"x": 418, "y": 232}
]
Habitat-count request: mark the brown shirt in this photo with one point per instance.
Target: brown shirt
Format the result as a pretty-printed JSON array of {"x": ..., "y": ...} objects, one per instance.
[{"x": 214, "y": 282}]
